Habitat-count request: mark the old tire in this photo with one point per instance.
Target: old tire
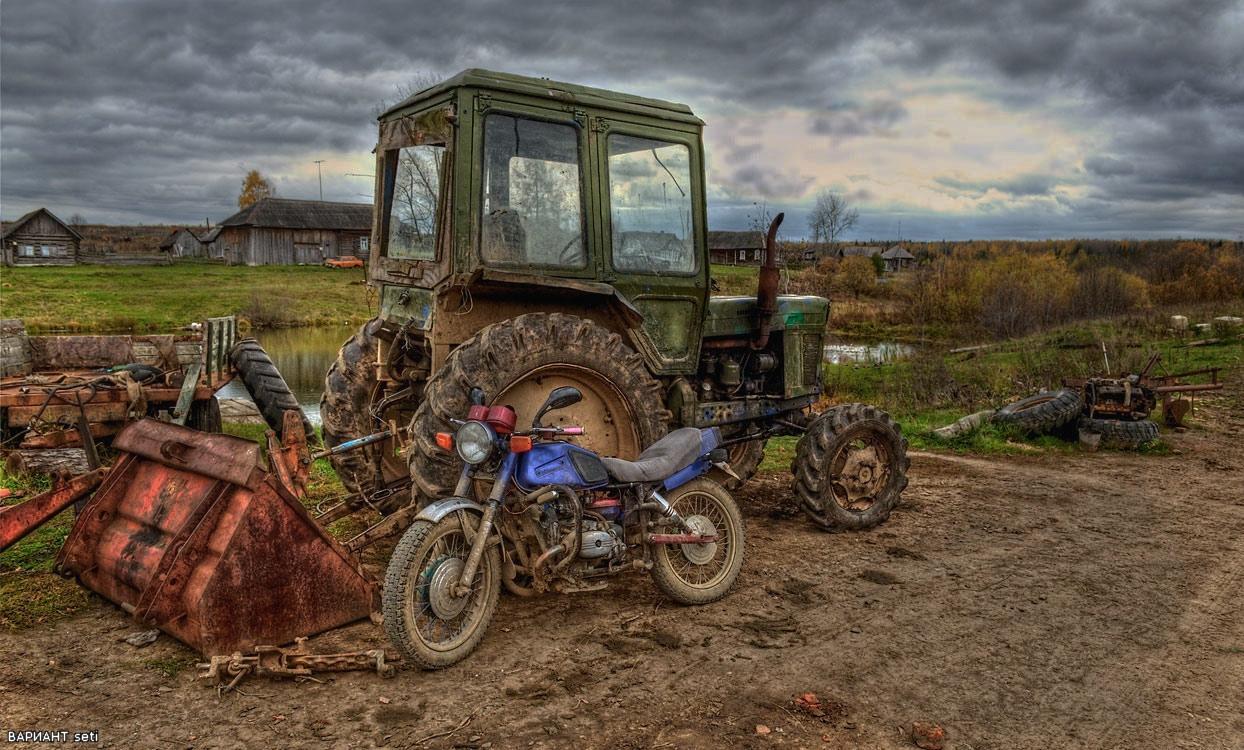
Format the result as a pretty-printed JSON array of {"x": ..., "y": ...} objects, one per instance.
[
  {"x": 850, "y": 467},
  {"x": 269, "y": 391},
  {"x": 1120, "y": 433},
  {"x": 205, "y": 415},
  {"x": 701, "y": 573},
  {"x": 414, "y": 594},
  {"x": 350, "y": 386},
  {"x": 517, "y": 362},
  {"x": 744, "y": 459},
  {"x": 1042, "y": 413}
]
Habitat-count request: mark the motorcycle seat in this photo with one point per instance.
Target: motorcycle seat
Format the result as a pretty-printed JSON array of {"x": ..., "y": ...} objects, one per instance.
[{"x": 662, "y": 459}]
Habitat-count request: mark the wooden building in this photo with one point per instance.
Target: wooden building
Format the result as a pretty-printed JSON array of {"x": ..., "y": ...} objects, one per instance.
[
  {"x": 897, "y": 259},
  {"x": 736, "y": 248},
  {"x": 187, "y": 242},
  {"x": 40, "y": 239},
  {"x": 282, "y": 231}
]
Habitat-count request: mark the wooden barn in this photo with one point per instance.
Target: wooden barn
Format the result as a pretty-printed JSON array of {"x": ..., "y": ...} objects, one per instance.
[
  {"x": 188, "y": 242},
  {"x": 282, "y": 231},
  {"x": 40, "y": 239},
  {"x": 736, "y": 248}
]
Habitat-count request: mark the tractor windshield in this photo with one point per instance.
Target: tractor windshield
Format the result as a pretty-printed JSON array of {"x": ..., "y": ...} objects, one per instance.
[
  {"x": 650, "y": 205},
  {"x": 532, "y": 209},
  {"x": 415, "y": 173}
]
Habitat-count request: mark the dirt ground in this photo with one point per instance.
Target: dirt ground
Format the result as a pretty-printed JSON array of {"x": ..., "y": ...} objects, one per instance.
[{"x": 1052, "y": 601}]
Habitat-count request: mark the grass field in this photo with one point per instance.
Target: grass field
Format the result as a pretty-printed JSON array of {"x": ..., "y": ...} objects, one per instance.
[{"x": 150, "y": 299}]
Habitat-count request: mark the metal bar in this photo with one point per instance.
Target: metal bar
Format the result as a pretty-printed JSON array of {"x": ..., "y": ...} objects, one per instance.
[
  {"x": 354, "y": 444},
  {"x": 17, "y": 521},
  {"x": 681, "y": 538}
]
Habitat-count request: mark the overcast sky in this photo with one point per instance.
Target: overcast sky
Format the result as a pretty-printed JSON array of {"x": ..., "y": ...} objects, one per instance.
[{"x": 1041, "y": 118}]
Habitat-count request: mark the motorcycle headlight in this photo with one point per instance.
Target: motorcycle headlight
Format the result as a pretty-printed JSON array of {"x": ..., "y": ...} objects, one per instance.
[{"x": 475, "y": 442}]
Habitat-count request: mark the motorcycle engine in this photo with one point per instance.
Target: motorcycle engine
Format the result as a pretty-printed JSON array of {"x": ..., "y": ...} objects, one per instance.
[{"x": 600, "y": 540}]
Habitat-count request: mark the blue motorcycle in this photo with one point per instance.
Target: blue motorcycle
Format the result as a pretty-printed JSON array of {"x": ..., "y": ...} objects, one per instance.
[{"x": 555, "y": 517}]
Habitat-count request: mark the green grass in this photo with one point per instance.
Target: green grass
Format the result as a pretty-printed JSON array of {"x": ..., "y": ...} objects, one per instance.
[{"x": 147, "y": 299}]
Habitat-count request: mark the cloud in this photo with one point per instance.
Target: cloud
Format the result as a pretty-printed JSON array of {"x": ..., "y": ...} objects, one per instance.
[
  {"x": 145, "y": 110},
  {"x": 851, "y": 119}
]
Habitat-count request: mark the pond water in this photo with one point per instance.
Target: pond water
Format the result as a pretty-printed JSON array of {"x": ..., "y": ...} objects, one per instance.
[
  {"x": 303, "y": 355},
  {"x": 875, "y": 353}
]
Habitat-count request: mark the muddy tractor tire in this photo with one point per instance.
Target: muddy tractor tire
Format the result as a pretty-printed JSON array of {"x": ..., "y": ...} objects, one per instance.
[
  {"x": 350, "y": 387},
  {"x": 850, "y": 468},
  {"x": 269, "y": 391},
  {"x": 518, "y": 362},
  {"x": 1043, "y": 413},
  {"x": 744, "y": 460},
  {"x": 1121, "y": 433}
]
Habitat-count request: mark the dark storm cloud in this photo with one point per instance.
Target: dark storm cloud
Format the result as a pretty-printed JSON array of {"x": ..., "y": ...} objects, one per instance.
[
  {"x": 847, "y": 119},
  {"x": 1025, "y": 185},
  {"x": 134, "y": 109}
]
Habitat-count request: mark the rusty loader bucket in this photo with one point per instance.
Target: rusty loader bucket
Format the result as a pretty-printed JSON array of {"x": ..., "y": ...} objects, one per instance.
[{"x": 190, "y": 533}]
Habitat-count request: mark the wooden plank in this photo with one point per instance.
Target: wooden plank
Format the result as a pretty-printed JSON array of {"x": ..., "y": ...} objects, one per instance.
[{"x": 186, "y": 397}]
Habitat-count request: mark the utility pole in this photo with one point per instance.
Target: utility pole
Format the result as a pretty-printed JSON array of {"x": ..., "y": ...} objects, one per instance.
[{"x": 319, "y": 173}]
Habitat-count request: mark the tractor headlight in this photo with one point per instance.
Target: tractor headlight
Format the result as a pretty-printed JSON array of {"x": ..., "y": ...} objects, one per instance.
[{"x": 475, "y": 442}]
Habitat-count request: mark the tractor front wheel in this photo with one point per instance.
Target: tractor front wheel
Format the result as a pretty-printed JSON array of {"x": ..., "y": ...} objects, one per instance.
[
  {"x": 350, "y": 388},
  {"x": 850, "y": 467}
]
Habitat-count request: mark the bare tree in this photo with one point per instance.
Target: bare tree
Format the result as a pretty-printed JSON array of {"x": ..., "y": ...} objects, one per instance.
[
  {"x": 77, "y": 220},
  {"x": 831, "y": 216}
]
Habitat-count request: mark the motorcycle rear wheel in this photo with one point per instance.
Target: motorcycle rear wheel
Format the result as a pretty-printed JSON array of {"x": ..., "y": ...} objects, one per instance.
[
  {"x": 701, "y": 573},
  {"x": 423, "y": 619}
]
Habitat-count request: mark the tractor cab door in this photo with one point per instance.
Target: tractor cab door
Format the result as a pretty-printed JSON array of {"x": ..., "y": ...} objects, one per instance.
[{"x": 653, "y": 232}]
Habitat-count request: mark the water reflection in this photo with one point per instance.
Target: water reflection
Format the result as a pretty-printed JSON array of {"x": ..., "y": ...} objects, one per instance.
[{"x": 303, "y": 355}]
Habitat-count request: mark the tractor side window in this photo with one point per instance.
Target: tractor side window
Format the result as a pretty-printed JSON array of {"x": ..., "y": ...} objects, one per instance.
[
  {"x": 650, "y": 205},
  {"x": 415, "y": 189},
  {"x": 533, "y": 212}
]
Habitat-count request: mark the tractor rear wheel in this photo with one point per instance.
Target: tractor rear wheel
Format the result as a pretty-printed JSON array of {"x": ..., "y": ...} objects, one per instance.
[
  {"x": 518, "y": 362},
  {"x": 850, "y": 467},
  {"x": 350, "y": 388}
]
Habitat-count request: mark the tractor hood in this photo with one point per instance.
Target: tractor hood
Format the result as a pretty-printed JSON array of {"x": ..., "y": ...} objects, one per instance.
[{"x": 736, "y": 316}]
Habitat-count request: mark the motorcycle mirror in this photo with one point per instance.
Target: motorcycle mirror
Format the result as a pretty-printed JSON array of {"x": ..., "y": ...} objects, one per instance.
[
  {"x": 559, "y": 398},
  {"x": 477, "y": 396}
]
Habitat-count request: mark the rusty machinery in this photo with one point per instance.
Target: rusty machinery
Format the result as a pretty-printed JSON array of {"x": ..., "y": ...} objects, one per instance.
[{"x": 1134, "y": 396}]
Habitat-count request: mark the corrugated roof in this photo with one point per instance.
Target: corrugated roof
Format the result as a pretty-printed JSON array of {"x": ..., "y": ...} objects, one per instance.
[
  {"x": 11, "y": 228},
  {"x": 287, "y": 213},
  {"x": 721, "y": 240}
]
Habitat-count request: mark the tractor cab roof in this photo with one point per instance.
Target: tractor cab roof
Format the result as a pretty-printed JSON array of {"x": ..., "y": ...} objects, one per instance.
[{"x": 568, "y": 93}]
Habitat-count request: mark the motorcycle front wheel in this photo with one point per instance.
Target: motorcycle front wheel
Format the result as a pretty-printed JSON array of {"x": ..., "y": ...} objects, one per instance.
[
  {"x": 701, "y": 573},
  {"x": 422, "y": 616}
]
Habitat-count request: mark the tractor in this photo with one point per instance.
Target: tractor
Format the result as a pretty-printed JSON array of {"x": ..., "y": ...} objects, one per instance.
[{"x": 530, "y": 234}]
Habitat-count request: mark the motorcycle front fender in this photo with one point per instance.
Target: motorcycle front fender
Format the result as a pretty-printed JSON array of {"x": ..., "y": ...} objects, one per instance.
[{"x": 435, "y": 511}]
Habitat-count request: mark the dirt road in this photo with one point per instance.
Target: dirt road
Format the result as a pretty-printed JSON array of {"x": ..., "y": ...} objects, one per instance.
[{"x": 1092, "y": 601}]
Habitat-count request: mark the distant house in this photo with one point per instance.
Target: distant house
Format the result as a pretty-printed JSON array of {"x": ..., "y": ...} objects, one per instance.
[
  {"x": 187, "y": 242},
  {"x": 736, "y": 248},
  {"x": 40, "y": 239},
  {"x": 867, "y": 251},
  {"x": 277, "y": 231},
  {"x": 897, "y": 259}
]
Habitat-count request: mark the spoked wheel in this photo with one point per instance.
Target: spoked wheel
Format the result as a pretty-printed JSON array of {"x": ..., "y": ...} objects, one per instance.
[
  {"x": 850, "y": 467},
  {"x": 423, "y": 616},
  {"x": 701, "y": 573}
]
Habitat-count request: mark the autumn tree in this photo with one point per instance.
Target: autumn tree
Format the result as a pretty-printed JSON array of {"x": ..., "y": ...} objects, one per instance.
[
  {"x": 255, "y": 187},
  {"x": 831, "y": 216},
  {"x": 856, "y": 274}
]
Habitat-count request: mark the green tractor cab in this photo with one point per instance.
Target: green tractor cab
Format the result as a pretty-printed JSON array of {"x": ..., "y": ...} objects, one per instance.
[{"x": 530, "y": 234}]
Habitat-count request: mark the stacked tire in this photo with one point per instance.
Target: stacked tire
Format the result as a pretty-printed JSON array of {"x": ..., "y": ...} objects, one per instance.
[{"x": 1121, "y": 433}]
